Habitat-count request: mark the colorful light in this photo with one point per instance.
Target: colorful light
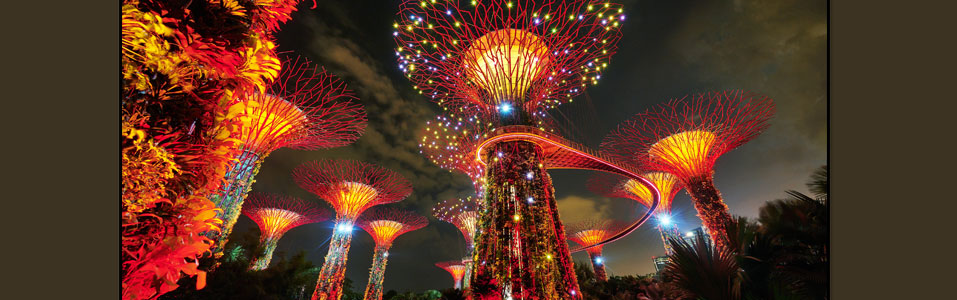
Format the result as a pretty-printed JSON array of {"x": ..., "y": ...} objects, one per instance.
[
  {"x": 385, "y": 224},
  {"x": 591, "y": 232},
  {"x": 474, "y": 57},
  {"x": 686, "y": 136},
  {"x": 464, "y": 214},
  {"x": 350, "y": 187},
  {"x": 668, "y": 185},
  {"x": 456, "y": 269},
  {"x": 275, "y": 215},
  {"x": 491, "y": 62},
  {"x": 304, "y": 108}
]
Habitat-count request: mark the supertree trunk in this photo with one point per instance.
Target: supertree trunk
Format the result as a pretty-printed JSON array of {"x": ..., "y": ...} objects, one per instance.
[
  {"x": 668, "y": 232},
  {"x": 711, "y": 209},
  {"x": 238, "y": 182},
  {"x": 520, "y": 249},
  {"x": 598, "y": 265},
  {"x": 468, "y": 273},
  {"x": 377, "y": 274},
  {"x": 329, "y": 284},
  {"x": 262, "y": 261}
]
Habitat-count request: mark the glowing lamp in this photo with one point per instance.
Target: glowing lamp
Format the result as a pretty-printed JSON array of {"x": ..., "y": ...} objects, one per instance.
[
  {"x": 344, "y": 227},
  {"x": 685, "y": 151},
  {"x": 505, "y": 62},
  {"x": 664, "y": 220}
]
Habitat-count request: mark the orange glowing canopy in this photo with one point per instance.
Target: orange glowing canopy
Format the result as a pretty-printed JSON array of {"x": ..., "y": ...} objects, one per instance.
[
  {"x": 351, "y": 187},
  {"x": 268, "y": 121},
  {"x": 590, "y": 232},
  {"x": 505, "y": 62},
  {"x": 666, "y": 183},
  {"x": 686, "y": 151},
  {"x": 386, "y": 224},
  {"x": 456, "y": 268},
  {"x": 353, "y": 197},
  {"x": 275, "y": 214}
]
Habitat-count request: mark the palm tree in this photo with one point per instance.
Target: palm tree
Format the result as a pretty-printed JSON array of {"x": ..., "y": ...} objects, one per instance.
[{"x": 783, "y": 256}]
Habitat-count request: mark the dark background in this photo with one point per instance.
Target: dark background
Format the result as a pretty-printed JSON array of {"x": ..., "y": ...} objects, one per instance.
[
  {"x": 668, "y": 49},
  {"x": 889, "y": 77}
]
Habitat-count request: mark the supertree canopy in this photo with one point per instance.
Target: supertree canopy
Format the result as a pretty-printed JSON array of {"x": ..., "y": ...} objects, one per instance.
[
  {"x": 488, "y": 56},
  {"x": 668, "y": 185},
  {"x": 305, "y": 108},
  {"x": 183, "y": 66},
  {"x": 464, "y": 214},
  {"x": 456, "y": 269},
  {"x": 686, "y": 136},
  {"x": 350, "y": 187},
  {"x": 384, "y": 225},
  {"x": 275, "y": 215},
  {"x": 591, "y": 232},
  {"x": 495, "y": 64},
  {"x": 450, "y": 142}
]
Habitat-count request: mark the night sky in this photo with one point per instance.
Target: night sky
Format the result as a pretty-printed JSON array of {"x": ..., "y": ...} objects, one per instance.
[{"x": 668, "y": 49}]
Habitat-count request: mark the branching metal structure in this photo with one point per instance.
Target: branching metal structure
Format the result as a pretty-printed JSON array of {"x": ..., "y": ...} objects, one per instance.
[
  {"x": 304, "y": 108},
  {"x": 275, "y": 215},
  {"x": 464, "y": 214},
  {"x": 385, "y": 224},
  {"x": 668, "y": 185},
  {"x": 592, "y": 232},
  {"x": 686, "y": 136},
  {"x": 495, "y": 67},
  {"x": 456, "y": 269},
  {"x": 350, "y": 187}
]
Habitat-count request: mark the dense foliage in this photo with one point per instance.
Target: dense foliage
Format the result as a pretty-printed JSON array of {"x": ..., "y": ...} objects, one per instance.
[
  {"x": 784, "y": 255},
  {"x": 287, "y": 278},
  {"x": 183, "y": 63}
]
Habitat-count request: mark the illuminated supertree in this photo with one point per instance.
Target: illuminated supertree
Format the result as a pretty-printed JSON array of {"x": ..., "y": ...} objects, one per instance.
[
  {"x": 686, "y": 136},
  {"x": 450, "y": 142},
  {"x": 456, "y": 269},
  {"x": 668, "y": 185},
  {"x": 385, "y": 224},
  {"x": 464, "y": 214},
  {"x": 350, "y": 187},
  {"x": 498, "y": 66},
  {"x": 276, "y": 214},
  {"x": 591, "y": 232},
  {"x": 305, "y": 108}
]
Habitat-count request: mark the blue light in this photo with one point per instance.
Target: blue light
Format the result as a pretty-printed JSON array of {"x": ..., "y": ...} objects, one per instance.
[
  {"x": 344, "y": 227},
  {"x": 664, "y": 220},
  {"x": 529, "y": 175},
  {"x": 505, "y": 108},
  {"x": 599, "y": 260}
]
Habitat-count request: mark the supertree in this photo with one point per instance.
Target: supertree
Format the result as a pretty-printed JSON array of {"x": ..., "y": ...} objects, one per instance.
[
  {"x": 275, "y": 215},
  {"x": 183, "y": 65},
  {"x": 591, "y": 232},
  {"x": 686, "y": 136},
  {"x": 464, "y": 214},
  {"x": 350, "y": 187},
  {"x": 305, "y": 108},
  {"x": 505, "y": 63},
  {"x": 384, "y": 225},
  {"x": 668, "y": 185},
  {"x": 455, "y": 268}
]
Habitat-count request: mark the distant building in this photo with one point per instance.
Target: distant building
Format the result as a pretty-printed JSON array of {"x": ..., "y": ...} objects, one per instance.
[
  {"x": 690, "y": 236},
  {"x": 660, "y": 263}
]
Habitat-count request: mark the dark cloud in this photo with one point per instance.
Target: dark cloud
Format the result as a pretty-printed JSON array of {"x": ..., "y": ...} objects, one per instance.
[{"x": 669, "y": 48}]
